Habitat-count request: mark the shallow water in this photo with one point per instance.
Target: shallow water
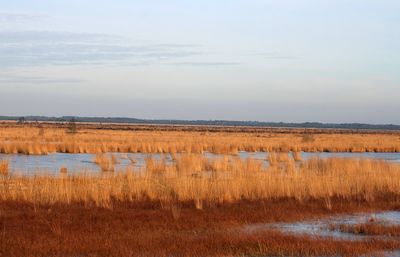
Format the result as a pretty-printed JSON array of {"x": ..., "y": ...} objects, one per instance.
[
  {"x": 392, "y": 157},
  {"x": 51, "y": 163},
  {"x": 321, "y": 227}
]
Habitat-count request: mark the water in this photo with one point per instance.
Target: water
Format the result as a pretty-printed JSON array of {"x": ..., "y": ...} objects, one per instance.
[
  {"x": 322, "y": 227},
  {"x": 51, "y": 163},
  {"x": 392, "y": 157}
]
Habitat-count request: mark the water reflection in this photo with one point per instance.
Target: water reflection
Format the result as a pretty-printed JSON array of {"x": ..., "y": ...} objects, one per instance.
[
  {"x": 52, "y": 163},
  {"x": 323, "y": 227}
]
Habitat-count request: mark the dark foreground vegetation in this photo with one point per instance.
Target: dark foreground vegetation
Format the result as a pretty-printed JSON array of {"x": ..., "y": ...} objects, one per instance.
[{"x": 150, "y": 229}]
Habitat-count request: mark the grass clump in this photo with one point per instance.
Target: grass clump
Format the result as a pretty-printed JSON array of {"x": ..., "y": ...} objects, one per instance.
[{"x": 4, "y": 167}]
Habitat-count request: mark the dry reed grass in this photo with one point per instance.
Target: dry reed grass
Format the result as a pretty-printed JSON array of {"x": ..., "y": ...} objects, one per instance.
[
  {"x": 4, "y": 166},
  {"x": 106, "y": 162},
  {"x": 297, "y": 156},
  {"x": 63, "y": 170},
  {"x": 30, "y": 140},
  {"x": 202, "y": 181}
]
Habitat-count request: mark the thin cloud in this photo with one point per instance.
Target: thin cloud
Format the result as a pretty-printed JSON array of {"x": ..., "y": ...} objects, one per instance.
[
  {"x": 12, "y": 79},
  {"x": 40, "y": 48},
  {"x": 205, "y": 63},
  {"x": 19, "y": 17}
]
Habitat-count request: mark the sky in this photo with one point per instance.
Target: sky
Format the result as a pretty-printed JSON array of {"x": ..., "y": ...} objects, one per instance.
[{"x": 266, "y": 60}]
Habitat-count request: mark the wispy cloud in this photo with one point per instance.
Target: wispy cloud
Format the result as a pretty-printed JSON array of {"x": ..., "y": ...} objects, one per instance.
[
  {"x": 19, "y": 17},
  {"x": 202, "y": 64},
  {"x": 16, "y": 79},
  {"x": 36, "y": 48}
]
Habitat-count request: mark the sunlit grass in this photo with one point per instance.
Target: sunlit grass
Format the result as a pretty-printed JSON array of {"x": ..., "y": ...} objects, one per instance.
[
  {"x": 201, "y": 180},
  {"x": 32, "y": 140},
  {"x": 4, "y": 167}
]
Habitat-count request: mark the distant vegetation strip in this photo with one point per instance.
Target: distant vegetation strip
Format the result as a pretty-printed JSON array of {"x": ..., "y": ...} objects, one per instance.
[
  {"x": 124, "y": 120},
  {"x": 39, "y": 138}
]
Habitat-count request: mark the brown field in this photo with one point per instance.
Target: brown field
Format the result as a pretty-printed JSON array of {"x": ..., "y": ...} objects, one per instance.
[
  {"x": 146, "y": 229},
  {"x": 194, "y": 206},
  {"x": 94, "y": 138}
]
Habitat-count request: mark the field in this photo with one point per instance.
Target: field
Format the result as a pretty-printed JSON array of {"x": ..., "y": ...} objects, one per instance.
[
  {"x": 195, "y": 206},
  {"x": 96, "y": 138}
]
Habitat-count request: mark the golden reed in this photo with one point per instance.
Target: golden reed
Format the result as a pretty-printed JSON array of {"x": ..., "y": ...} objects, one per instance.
[
  {"x": 40, "y": 140},
  {"x": 207, "y": 181},
  {"x": 4, "y": 166}
]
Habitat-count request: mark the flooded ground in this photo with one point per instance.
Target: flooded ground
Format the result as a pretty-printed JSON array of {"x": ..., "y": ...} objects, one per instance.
[
  {"x": 327, "y": 227},
  {"x": 51, "y": 163}
]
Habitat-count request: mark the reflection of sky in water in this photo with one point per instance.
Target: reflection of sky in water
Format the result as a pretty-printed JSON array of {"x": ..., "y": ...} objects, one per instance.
[
  {"x": 321, "y": 227},
  {"x": 84, "y": 162},
  {"x": 381, "y": 156},
  {"x": 52, "y": 163}
]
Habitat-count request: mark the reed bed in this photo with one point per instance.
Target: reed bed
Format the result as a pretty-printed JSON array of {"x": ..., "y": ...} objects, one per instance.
[
  {"x": 4, "y": 166},
  {"x": 32, "y": 140},
  {"x": 193, "y": 178}
]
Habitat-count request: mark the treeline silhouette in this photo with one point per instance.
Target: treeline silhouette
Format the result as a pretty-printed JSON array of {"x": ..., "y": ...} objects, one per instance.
[{"x": 124, "y": 120}]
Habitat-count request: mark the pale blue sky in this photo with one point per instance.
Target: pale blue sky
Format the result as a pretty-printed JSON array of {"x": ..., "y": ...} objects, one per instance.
[{"x": 267, "y": 60}]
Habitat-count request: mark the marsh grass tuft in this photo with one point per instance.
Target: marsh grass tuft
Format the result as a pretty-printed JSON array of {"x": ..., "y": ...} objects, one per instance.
[
  {"x": 4, "y": 167},
  {"x": 105, "y": 162},
  {"x": 296, "y": 156}
]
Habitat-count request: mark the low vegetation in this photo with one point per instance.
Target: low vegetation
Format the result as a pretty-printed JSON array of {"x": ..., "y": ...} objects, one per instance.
[
  {"x": 370, "y": 228},
  {"x": 31, "y": 139},
  {"x": 133, "y": 229}
]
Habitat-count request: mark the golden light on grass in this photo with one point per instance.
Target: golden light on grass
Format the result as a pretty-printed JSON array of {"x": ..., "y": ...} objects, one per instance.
[
  {"x": 297, "y": 156},
  {"x": 4, "y": 167},
  {"x": 19, "y": 139},
  {"x": 105, "y": 162},
  {"x": 215, "y": 181}
]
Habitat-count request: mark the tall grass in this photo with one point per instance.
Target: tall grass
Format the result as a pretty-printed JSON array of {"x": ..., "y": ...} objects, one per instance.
[
  {"x": 4, "y": 166},
  {"x": 106, "y": 162},
  {"x": 26, "y": 140},
  {"x": 206, "y": 181}
]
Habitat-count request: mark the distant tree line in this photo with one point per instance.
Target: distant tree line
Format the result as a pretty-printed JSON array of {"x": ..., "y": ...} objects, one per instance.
[{"x": 123, "y": 120}]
